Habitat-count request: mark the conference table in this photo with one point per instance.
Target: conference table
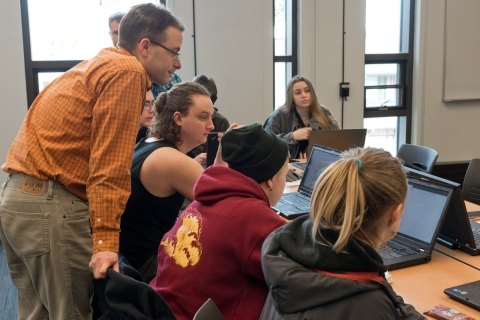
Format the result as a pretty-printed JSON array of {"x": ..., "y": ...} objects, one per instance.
[{"x": 422, "y": 285}]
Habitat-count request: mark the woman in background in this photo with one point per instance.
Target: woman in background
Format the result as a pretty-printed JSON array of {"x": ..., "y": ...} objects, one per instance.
[
  {"x": 326, "y": 265},
  {"x": 300, "y": 114}
]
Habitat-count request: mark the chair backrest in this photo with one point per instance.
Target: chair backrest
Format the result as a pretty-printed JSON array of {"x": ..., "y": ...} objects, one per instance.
[
  {"x": 423, "y": 158},
  {"x": 208, "y": 311},
  {"x": 471, "y": 183}
]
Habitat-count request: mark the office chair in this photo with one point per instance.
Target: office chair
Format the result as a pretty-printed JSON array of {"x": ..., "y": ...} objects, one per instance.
[
  {"x": 471, "y": 183},
  {"x": 208, "y": 311},
  {"x": 418, "y": 157}
]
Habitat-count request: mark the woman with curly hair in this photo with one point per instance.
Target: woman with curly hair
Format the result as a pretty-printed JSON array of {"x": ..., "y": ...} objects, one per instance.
[{"x": 162, "y": 175}]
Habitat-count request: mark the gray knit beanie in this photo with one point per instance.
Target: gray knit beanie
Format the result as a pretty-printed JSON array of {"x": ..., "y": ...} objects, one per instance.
[{"x": 254, "y": 152}]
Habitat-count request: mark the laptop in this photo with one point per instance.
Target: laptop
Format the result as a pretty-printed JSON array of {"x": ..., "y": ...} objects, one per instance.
[
  {"x": 212, "y": 148},
  {"x": 425, "y": 209},
  {"x": 295, "y": 204},
  {"x": 468, "y": 293},
  {"x": 457, "y": 230},
  {"x": 335, "y": 139},
  {"x": 342, "y": 140}
]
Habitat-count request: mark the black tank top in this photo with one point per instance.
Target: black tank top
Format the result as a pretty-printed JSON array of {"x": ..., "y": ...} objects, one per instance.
[{"x": 147, "y": 217}]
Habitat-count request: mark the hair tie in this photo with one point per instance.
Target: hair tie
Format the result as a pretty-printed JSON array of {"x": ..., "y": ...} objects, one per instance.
[{"x": 360, "y": 165}]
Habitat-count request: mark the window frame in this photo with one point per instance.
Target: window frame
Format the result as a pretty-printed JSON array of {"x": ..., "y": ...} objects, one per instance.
[
  {"x": 293, "y": 58},
  {"x": 406, "y": 75},
  {"x": 33, "y": 68}
]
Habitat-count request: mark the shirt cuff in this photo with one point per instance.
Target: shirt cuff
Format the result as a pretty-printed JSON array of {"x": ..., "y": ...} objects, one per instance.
[
  {"x": 289, "y": 138},
  {"x": 106, "y": 241}
]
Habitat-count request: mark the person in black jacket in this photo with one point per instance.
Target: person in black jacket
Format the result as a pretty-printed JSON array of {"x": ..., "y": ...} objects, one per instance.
[{"x": 325, "y": 266}]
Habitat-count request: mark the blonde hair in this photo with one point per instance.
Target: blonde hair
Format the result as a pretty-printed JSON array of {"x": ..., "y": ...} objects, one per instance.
[
  {"x": 352, "y": 195},
  {"x": 319, "y": 112}
]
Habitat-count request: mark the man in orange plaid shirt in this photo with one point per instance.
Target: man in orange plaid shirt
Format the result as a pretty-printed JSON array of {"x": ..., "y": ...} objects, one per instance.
[{"x": 69, "y": 167}]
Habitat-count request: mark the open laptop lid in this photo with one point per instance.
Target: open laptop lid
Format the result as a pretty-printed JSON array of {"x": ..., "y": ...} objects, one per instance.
[
  {"x": 456, "y": 228},
  {"x": 425, "y": 209},
  {"x": 342, "y": 139},
  {"x": 320, "y": 158}
]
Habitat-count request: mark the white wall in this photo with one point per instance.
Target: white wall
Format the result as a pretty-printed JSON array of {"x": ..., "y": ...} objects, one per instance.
[
  {"x": 13, "y": 96},
  {"x": 451, "y": 128},
  {"x": 234, "y": 46},
  {"x": 321, "y": 28}
]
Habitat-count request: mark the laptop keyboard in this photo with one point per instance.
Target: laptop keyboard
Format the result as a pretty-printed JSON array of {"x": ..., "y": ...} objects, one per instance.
[
  {"x": 301, "y": 165},
  {"x": 391, "y": 250},
  {"x": 297, "y": 200},
  {"x": 476, "y": 236}
]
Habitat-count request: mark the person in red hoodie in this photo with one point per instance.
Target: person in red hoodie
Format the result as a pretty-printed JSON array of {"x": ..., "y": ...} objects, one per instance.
[{"x": 213, "y": 250}]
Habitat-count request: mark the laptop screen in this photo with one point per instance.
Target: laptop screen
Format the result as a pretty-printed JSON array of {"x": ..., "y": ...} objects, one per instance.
[
  {"x": 423, "y": 211},
  {"x": 318, "y": 161}
]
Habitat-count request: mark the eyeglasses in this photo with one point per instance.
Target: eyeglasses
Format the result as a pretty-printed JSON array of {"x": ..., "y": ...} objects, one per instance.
[
  {"x": 148, "y": 105},
  {"x": 177, "y": 54}
]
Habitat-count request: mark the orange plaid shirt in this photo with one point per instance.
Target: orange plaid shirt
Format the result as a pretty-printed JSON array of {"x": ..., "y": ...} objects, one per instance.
[{"x": 81, "y": 131}]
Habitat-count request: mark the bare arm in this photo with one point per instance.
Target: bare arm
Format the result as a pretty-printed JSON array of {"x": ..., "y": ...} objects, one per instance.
[{"x": 167, "y": 170}]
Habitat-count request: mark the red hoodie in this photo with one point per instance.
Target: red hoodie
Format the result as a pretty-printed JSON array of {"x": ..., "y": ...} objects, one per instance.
[{"x": 214, "y": 248}]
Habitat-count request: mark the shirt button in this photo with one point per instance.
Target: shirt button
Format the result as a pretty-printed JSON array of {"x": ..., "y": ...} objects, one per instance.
[
  {"x": 100, "y": 242},
  {"x": 98, "y": 220}
]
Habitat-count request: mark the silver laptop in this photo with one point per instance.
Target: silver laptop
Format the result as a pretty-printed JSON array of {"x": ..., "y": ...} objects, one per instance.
[
  {"x": 295, "y": 204},
  {"x": 337, "y": 139},
  {"x": 425, "y": 209}
]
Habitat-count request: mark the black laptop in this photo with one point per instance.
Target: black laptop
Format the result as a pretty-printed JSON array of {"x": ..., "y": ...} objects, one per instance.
[
  {"x": 295, "y": 204},
  {"x": 468, "y": 293},
  {"x": 457, "y": 230},
  {"x": 425, "y": 209}
]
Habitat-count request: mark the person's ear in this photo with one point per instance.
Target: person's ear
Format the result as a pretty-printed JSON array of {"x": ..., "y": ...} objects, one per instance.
[
  {"x": 144, "y": 47},
  {"x": 270, "y": 184},
  {"x": 177, "y": 117},
  {"x": 395, "y": 214}
]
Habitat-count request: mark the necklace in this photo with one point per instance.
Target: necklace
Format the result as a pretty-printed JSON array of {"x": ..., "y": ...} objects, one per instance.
[{"x": 305, "y": 119}]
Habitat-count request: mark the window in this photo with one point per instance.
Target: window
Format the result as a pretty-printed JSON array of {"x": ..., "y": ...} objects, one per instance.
[
  {"x": 58, "y": 34},
  {"x": 388, "y": 72},
  {"x": 285, "y": 47}
]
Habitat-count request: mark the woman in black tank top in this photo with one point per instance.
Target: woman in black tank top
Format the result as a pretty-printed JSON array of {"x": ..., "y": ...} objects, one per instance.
[{"x": 162, "y": 175}]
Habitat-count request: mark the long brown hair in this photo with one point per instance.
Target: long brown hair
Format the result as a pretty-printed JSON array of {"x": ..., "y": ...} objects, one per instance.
[
  {"x": 319, "y": 112},
  {"x": 178, "y": 98},
  {"x": 353, "y": 194}
]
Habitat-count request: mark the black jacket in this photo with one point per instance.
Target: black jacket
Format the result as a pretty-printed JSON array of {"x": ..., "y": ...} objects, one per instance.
[
  {"x": 124, "y": 295},
  {"x": 289, "y": 257}
]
